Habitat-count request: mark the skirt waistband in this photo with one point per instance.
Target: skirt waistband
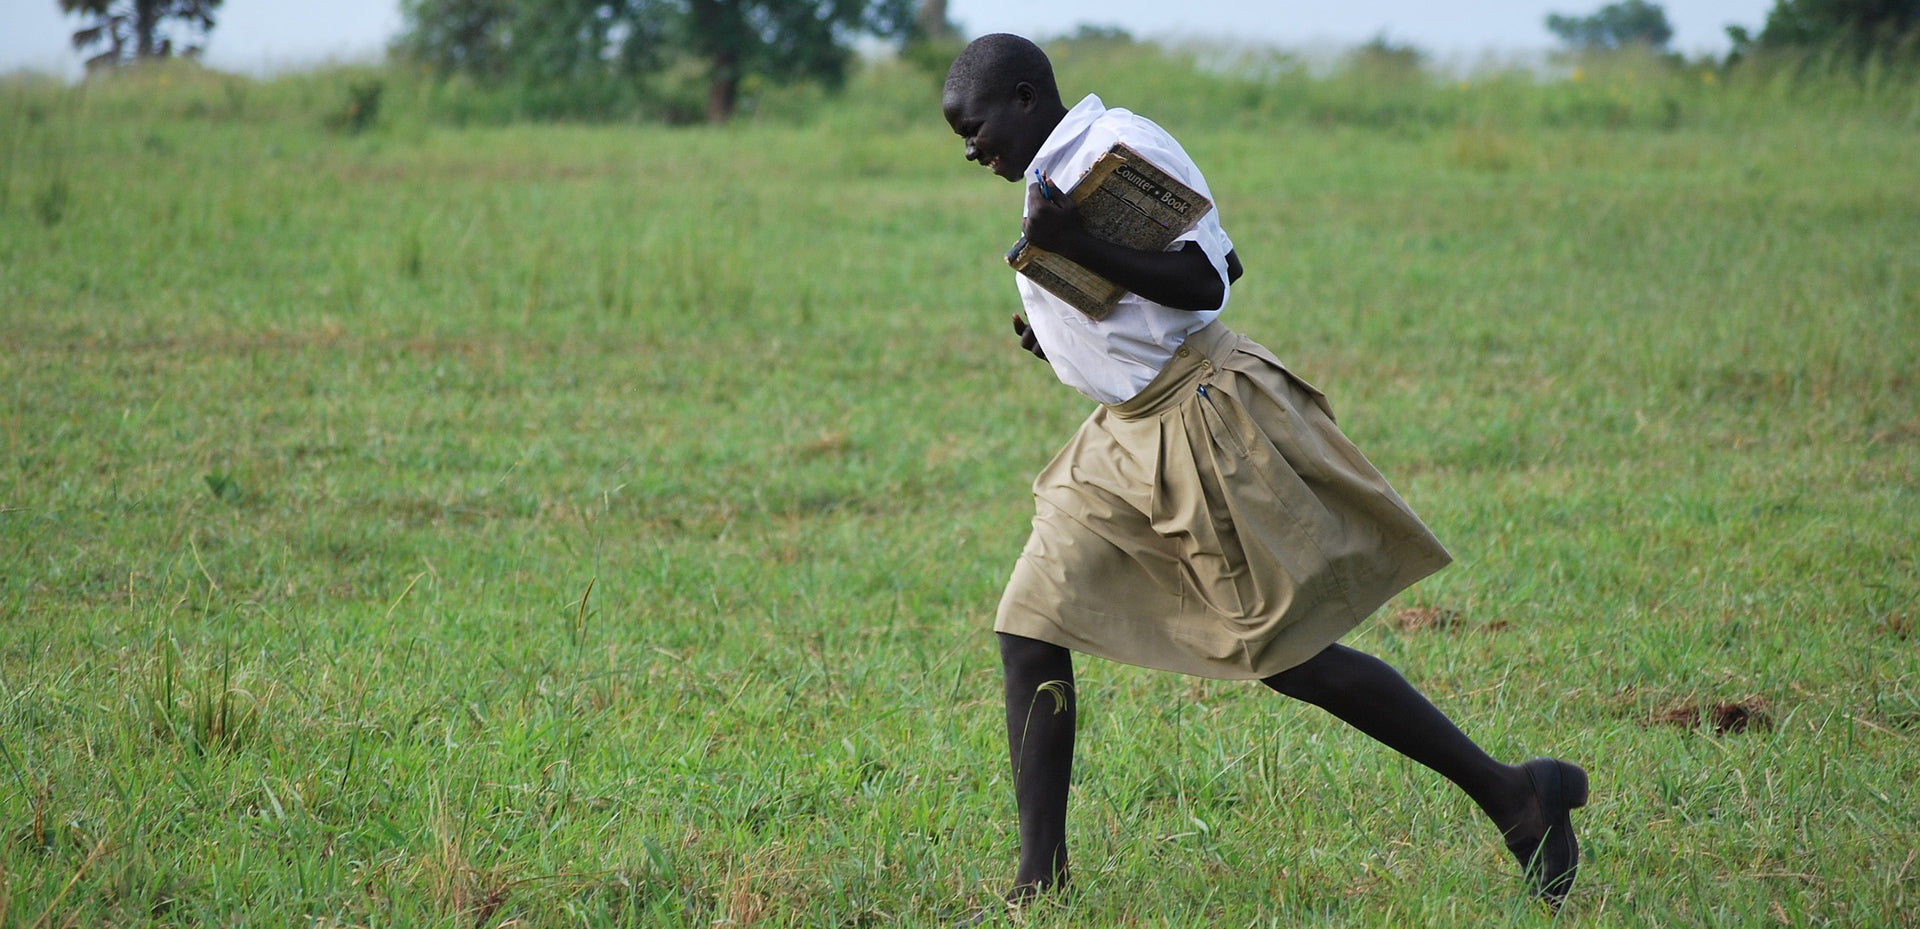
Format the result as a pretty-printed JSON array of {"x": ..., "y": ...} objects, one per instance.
[{"x": 1195, "y": 359}]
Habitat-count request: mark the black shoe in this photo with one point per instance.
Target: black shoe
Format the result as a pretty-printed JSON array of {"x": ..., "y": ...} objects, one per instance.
[
  {"x": 984, "y": 916},
  {"x": 1007, "y": 912},
  {"x": 1010, "y": 910},
  {"x": 1551, "y": 859}
]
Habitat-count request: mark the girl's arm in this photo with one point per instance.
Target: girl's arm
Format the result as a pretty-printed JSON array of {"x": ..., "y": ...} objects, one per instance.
[{"x": 1184, "y": 279}]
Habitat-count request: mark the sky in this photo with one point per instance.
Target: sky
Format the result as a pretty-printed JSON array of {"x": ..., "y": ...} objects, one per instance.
[{"x": 260, "y": 36}]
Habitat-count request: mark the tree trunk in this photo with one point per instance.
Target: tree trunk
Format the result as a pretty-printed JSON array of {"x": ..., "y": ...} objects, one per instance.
[
  {"x": 146, "y": 25},
  {"x": 933, "y": 20},
  {"x": 716, "y": 24},
  {"x": 724, "y": 92}
]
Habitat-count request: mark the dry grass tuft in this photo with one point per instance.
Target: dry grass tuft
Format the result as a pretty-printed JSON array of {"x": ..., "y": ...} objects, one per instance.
[{"x": 1417, "y": 619}]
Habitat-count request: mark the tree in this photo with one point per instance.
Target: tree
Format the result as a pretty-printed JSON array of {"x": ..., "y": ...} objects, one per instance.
[
  {"x": 560, "y": 44},
  {"x": 457, "y": 36},
  {"x": 1616, "y": 25},
  {"x": 933, "y": 24},
  {"x": 1387, "y": 61},
  {"x": 1856, "y": 27},
  {"x": 784, "y": 40},
  {"x": 133, "y": 30}
]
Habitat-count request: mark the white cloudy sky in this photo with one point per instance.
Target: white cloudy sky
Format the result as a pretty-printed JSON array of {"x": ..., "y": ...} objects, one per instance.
[{"x": 260, "y": 35}]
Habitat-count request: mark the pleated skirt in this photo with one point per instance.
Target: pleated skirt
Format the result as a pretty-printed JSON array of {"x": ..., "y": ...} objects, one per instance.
[{"x": 1219, "y": 524}]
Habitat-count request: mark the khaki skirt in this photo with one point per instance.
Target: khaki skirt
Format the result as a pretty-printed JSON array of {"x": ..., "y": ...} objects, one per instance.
[{"x": 1219, "y": 524}]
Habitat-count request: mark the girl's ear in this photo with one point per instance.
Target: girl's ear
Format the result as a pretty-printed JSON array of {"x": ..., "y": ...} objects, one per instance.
[{"x": 1024, "y": 93}]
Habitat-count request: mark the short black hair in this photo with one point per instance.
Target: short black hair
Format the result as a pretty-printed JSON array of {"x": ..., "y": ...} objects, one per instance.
[{"x": 992, "y": 65}]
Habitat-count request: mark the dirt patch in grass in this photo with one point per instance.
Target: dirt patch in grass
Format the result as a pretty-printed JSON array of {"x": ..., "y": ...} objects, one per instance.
[{"x": 1723, "y": 717}]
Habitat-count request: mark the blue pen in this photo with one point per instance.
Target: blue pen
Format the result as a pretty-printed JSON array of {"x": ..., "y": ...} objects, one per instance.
[{"x": 1046, "y": 186}]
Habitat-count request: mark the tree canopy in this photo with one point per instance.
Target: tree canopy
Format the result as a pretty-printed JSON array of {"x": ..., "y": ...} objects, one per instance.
[
  {"x": 1616, "y": 25},
  {"x": 596, "y": 46},
  {"x": 131, "y": 30},
  {"x": 1858, "y": 27}
]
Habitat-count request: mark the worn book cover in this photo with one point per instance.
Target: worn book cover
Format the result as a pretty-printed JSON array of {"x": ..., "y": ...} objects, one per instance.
[{"x": 1125, "y": 199}]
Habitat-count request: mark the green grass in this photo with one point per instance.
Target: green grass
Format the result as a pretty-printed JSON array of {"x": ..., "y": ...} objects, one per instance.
[{"x": 561, "y": 525}]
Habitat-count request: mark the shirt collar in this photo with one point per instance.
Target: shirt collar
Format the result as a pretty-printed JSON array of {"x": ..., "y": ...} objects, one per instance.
[{"x": 1066, "y": 135}]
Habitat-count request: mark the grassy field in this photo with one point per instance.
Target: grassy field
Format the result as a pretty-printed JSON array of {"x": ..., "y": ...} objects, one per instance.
[{"x": 585, "y": 526}]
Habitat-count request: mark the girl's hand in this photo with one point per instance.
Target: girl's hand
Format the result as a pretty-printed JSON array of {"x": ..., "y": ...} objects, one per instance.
[
  {"x": 1027, "y": 339},
  {"x": 1052, "y": 218}
]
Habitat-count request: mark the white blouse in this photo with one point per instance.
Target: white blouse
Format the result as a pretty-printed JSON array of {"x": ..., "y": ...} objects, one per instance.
[{"x": 1111, "y": 360}]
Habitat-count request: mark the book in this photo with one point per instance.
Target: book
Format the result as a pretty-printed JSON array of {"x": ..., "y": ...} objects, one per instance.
[{"x": 1124, "y": 199}]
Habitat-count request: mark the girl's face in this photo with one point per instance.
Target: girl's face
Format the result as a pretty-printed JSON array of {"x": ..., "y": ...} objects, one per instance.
[{"x": 1003, "y": 134}]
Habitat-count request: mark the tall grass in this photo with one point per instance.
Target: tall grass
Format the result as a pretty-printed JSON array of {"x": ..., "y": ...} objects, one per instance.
[{"x": 598, "y": 525}]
